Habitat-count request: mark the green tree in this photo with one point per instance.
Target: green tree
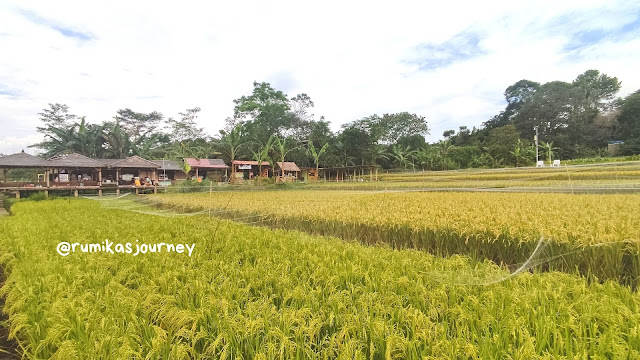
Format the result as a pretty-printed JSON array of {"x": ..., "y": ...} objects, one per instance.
[
  {"x": 501, "y": 142},
  {"x": 315, "y": 155},
  {"x": 185, "y": 128},
  {"x": 443, "y": 149},
  {"x": 629, "y": 117},
  {"x": 137, "y": 125},
  {"x": 229, "y": 145},
  {"x": 548, "y": 149},
  {"x": 281, "y": 148},
  {"x": 262, "y": 154},
  {"x": 263, "y": 113},
  {"x": 518, "y": 152},
  {"x": 402, "y": 156}
]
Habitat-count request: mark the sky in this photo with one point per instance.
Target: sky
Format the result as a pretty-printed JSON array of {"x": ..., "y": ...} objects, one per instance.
[{"x": 447, "y": 61}]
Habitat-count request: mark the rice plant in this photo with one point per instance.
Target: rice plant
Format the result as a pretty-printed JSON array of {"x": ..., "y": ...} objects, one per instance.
[{"x": 256, "y": 293}]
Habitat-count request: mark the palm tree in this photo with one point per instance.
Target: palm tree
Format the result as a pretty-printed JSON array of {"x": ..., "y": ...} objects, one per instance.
[
  {"x": 229, "y": 144},
  {"x": 282, "y": 147},
  {"x": 315, "y": 155},
  {"x": 262, "y": 154}
]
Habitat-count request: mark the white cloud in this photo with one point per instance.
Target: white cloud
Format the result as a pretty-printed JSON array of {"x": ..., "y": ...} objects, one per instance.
[{"x": 352, "y": 58}]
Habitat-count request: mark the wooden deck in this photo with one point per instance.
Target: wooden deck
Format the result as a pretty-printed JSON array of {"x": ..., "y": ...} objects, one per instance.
[{"x": 75, "y": 190}]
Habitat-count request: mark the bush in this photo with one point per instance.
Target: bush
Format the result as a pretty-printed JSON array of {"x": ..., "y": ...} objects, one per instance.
[
  {"x": 7, "y": 202},
  {"x": 37, "y": 196}
]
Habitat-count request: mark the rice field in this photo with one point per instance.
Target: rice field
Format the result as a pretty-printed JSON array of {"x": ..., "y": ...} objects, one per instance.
[
  {"x": 622, "y": 175},
  {"x": 258, "y": 293},
  {"x": 592, "y": 234}
]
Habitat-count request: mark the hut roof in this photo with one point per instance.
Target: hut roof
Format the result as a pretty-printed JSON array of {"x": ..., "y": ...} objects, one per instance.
[
  {"x": 74, "y": 160},
  {"x": 249, "y": 162},
  {"x": 108, "y": 162},
  {"x": 206, "y": 163},
  {"x": 22, "y": 160},
  {"x": 167, "y": 164},
  {"x": 288, "y": 166},
  {"x": 135, "y": 162}
]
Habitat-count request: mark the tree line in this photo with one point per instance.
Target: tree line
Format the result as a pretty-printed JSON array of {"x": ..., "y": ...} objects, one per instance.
[{"x": 574, "y": 120}]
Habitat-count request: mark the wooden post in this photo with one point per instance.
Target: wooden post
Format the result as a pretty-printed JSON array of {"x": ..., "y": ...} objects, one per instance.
[
  {"x": 4, "y": 170},
  {"x": 18, "y": 194},
  {"x": 118, "y": 176},
  {"x": 47, "y": 174},
  {"x": 100, "y": 176},
  {"x": 99, "y": 192},
  {"x": 46, "y": 193},
  {"x": 137, "y": 191},
  {"x": 196, "y": 173},
  {"x": 155, "y": 189},
  {"x": 117, "y": 191},
  {"x": 75, "y": 192}
]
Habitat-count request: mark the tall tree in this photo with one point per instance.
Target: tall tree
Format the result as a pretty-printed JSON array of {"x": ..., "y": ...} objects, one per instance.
[
  {"x": 281, "y": 148},
  {"x": 229, "y": 145},
  {"x": 262, "y": 154},
  {"x": 501, "y": 142},
  {"x": 263, "y": 113},
  {"x": 136, "y": 124},
  {"x": 316, "y": 154},
  {"x": 185, "y": 128},
  {"x": 629, "y": 117}
]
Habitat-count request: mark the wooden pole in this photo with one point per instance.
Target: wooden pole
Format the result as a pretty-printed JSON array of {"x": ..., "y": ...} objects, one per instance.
[{"x": 47, "y": 174}]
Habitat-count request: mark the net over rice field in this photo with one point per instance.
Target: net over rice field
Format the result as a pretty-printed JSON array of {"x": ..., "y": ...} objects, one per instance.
[{"x": 596, "y": 235}]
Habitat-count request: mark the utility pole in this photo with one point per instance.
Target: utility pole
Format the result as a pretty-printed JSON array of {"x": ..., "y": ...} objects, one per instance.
[{"x": 536, "y": 140}]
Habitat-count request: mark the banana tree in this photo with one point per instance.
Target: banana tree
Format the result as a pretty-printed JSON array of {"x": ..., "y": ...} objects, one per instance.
[
  {"x": 281, "y": 148},
  {"x": 315, "y": 155}
]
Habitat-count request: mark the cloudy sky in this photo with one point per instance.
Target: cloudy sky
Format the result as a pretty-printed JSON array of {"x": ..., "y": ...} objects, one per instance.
[{"x": 448, "y": 61}]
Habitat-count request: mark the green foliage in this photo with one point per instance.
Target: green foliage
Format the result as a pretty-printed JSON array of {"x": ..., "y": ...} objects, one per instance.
[
  {"x": 8, "y": 202},
  {"x": 629, "y": 117},
  {"x": 501, "y": 142}
]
